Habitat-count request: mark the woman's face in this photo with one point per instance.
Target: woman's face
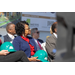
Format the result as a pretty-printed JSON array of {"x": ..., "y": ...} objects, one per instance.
[{"x": 27, "y": 30}]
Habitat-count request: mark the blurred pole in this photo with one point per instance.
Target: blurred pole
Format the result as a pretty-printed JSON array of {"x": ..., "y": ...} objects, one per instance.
[{"x": 66, "y": 25}]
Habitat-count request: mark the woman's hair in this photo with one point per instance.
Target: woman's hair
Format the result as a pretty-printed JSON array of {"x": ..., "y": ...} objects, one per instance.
[
  {"x": 54, "y": 25},
  {"x": 20, "y": 27},
  {"x": 51, "y": 30}
]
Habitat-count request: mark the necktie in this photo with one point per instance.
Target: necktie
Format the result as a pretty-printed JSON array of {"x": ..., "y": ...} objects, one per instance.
[{"x": 39, "y": 45}]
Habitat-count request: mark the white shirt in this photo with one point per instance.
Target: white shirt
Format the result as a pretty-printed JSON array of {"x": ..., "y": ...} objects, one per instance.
[
  {"x": 55, "y": 35},
  {"x": 38, "y": 48},
  {"x": 11, "y": 36}
]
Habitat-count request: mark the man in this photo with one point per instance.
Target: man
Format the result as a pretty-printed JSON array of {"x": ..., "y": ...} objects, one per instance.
[
  {"x": 35, "y": 35},
  {"x": 23, "y": 41},
  {"x": 10, "y": 28},
  {"x": 51, "y": 41}
]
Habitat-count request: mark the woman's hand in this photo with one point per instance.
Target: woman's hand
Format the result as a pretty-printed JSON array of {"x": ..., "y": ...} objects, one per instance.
[
  {"x": 33, "y": 59},
  {"x": 4, "y": 52}
]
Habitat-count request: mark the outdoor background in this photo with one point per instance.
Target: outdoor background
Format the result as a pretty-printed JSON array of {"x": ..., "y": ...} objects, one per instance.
[{"x": 40, "y": 20}]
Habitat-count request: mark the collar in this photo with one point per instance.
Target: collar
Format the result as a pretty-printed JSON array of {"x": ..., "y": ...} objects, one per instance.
[
  {"x": 35, "y": 39},
  {"x": 55, "y": 35},
  {"x": 26, "y": 39},
  {"x": 11, "y": 36}
]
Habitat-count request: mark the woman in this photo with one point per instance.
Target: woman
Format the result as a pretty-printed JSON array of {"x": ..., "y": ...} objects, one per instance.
[
  {"x": 23, "y": 42},
  {"x": 51, "y": 32},
  {"x": 51, "y": 41}
]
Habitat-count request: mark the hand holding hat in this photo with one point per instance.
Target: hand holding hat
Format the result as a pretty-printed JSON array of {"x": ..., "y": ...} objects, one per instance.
[
  {"x": 41, "y": 55},
  {"x": 4, "y": 52},
  {"x": 7, "y": 46}
]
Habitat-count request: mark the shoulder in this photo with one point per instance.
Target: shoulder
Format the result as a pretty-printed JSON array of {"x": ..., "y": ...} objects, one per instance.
[
  {"x": 40, "y": 40},
  {"x": 29, "y": 37},
  {"x": 48, "y": 38},
  {"x": 17, "y": 38},
  {"x": 5, "y": 35},
  {"x": 51, "y": 37}
]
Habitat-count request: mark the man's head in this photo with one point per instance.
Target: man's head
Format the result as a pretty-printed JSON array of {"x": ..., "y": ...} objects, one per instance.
[
  {"x": 54, "y": 27},
  {"x": 11, "y": 28},
  {"x": 35, "y": 33}
]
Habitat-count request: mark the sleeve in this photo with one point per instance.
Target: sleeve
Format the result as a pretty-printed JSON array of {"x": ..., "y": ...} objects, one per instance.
[
  {"x": 49, "y": 47},
  {"x": 16, "y": 44}
]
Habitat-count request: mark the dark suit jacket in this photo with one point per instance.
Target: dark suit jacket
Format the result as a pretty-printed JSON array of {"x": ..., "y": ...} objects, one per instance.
[
  {"x": 50, "y": 45},
  {"x": 41, "y": 41},
  {"x": 7, "y": 38}
]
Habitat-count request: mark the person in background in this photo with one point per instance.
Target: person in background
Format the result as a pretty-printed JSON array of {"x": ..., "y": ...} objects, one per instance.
[
  {"x": 10, "y": 28},
  {"x": 23, "y": 41},
  {"x": 35, "y": 35},
  {"x": 51, "y": 32},
  {"x": 51, "y": 41},
  {"x": 44, "y": 44}
]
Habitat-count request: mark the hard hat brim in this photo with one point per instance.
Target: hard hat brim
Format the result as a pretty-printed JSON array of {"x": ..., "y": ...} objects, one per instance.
[
  {"x": 12, "y": 50},
  {"x": 43, "y": 60}
]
